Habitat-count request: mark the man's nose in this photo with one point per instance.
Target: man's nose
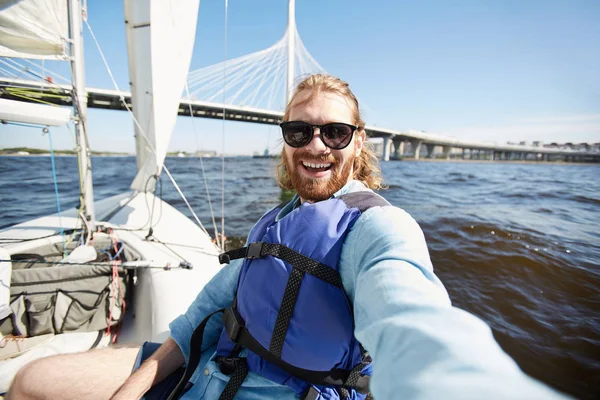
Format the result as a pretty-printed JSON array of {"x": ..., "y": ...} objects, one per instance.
[{"x": 316, "y": 145}]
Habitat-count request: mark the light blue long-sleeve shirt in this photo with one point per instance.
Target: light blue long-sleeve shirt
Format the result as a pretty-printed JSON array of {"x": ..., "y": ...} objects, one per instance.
[{"x": 422, "y": 347}]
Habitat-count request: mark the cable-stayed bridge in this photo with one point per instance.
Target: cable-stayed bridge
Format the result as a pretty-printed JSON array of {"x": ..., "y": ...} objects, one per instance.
[{"x": 255, "y": 88}]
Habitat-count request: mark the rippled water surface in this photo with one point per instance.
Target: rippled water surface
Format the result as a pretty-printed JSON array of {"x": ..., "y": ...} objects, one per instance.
[{"x": 516, "y": 244}]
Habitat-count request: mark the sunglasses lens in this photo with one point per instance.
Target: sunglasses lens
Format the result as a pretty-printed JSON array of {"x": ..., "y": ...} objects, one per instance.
[
  {"x": 296, "y": 133},
  {"x": 336, "y": 135}
]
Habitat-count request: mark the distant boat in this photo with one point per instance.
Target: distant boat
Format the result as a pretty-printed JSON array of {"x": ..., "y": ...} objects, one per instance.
[
  {"x": 181, "y": 154},
  {"x": 265, "y": 155}
]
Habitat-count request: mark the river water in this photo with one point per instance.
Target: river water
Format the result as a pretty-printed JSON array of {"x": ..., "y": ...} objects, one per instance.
[{"x": 516, "y": 244}]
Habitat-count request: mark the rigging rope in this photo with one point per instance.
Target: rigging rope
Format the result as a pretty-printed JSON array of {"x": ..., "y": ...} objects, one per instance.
[
  {"x": 212, "y": 214},
  {"x": 62, "y": 230},
  {"x": 223, "y": 127}
]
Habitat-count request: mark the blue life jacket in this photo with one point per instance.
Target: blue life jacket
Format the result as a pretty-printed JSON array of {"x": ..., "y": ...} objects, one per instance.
[{"x": 291, "y": 311}]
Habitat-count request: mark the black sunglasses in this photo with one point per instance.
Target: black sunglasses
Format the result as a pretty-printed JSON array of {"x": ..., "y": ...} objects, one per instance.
[{"x": 336, "y": 135}]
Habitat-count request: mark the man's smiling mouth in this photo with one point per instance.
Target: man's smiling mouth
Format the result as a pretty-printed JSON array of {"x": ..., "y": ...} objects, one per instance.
[{"x": 316, "y": 166}]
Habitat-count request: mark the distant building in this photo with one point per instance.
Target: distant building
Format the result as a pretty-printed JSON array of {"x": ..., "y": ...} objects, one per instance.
[
  {"x": 205, "y": 153},
  {"x": 537, "y": 143}
]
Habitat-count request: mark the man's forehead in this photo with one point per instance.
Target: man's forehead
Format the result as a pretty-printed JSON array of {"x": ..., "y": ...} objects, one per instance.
[{"x": 307, "y": 99}]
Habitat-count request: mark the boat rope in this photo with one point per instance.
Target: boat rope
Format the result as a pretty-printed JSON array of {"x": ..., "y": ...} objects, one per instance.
[
  {"x": 40, "y": 74},
  {"x": 223, "y": 126},
  {"x": 9, "y": 240},
  {"x": 212, "y": 214},
  {"x": 125, "y": 266},
  {"x": 151, "y": 223},
  {"x": 62, "y": 230},
  {"x": 141, "y": 131}
]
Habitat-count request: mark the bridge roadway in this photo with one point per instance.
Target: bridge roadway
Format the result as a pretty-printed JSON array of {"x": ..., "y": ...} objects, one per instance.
[{"x": 26, "y": 90}]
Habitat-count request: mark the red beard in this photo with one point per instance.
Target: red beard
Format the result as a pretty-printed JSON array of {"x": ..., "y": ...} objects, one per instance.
[{"x": 310, "y": 189}]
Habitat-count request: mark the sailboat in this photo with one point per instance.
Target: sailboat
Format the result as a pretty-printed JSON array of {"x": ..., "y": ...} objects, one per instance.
[{"x": 125, "y": 265}]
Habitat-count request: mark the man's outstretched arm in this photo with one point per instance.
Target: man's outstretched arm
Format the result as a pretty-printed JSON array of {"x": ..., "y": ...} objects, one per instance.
[
  {"x": 422, "y": 347},
  {"x": 164, "y": 361}
]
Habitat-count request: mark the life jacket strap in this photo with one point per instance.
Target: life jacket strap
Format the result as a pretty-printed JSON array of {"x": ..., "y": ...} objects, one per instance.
[
  {"x": 335, "y": 377},
  {"x": 292, "y": 257},
  {"x": 194, "y": 360},
  {"x": 236, "y": 379}
]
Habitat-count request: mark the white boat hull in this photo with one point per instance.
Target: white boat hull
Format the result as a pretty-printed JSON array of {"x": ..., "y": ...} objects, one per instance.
[{"x": 162, "y": 291}]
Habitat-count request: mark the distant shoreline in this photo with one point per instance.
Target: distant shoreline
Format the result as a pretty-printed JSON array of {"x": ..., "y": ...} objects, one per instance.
[
  {"x": 62, "y": 155},
  {"x": 33, "y": 152}
]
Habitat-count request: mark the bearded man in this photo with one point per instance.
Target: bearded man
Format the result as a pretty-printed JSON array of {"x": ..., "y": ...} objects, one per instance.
[{"x": 330, "y": 275}]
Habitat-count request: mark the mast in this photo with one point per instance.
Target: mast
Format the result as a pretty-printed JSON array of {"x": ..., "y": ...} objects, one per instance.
[
  {"x": 86, "y": 195},
  {"x": 291, "y": 35}
]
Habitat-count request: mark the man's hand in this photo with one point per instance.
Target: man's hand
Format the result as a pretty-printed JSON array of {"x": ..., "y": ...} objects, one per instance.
[{"x": 157, "y": 367}]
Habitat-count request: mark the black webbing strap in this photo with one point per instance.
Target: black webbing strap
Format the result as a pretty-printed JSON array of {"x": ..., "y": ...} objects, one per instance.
[
  {"x": 235, "y": 380},
  {"x": 353, "y": 378},
  {"x": 290, "y": 296},
  {"x": 251, "y": 251},
  {"x": 195, "y": 353},
  {"x": 355, "y": 374},
  {"x": 292, "y": 257},
  {"x": 238, "y": 333},
  {"x": 343, "y": 392}
]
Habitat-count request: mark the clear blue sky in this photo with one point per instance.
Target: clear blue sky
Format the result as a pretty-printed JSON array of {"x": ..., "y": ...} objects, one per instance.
[{"x": 505, "y": 70}]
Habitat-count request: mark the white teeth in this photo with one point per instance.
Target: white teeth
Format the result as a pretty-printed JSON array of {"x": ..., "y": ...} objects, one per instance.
[{"x": 311, "y": 165}]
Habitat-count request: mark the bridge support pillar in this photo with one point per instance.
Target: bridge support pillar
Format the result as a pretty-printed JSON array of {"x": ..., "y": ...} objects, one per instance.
[
  {"x": 429, "y": 148},
  {"x": 416, "y": 145},
  {"x": 446, "y": 150},
  {"x": 398, "y": 149},
  {"x": 386, "y": 149},
  {"x": 464, "y": 153}
]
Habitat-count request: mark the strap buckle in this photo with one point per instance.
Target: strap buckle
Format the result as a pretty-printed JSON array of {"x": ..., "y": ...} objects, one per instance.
[
  {"x": 224, "y": 258},
  {"x": 254, "y": 250},
  {"x": 228, "y": 364},
  {"x": 233, "y": 322}
]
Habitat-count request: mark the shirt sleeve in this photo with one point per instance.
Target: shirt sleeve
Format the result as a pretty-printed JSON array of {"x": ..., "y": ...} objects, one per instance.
[
  {"x": 421, "y": 346},
  {"x": 218, "y": 293}
]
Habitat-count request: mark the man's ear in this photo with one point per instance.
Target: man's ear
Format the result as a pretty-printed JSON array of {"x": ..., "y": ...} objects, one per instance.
[{"x": 358, "y": 143}]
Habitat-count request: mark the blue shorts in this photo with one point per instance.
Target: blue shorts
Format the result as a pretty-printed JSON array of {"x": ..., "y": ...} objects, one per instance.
[{"x": 161, "y": 390}]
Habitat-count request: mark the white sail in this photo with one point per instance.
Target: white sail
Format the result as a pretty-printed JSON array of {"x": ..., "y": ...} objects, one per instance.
[
  {"x": 33, "y": 113},
  {"x": 160, "y": 43},
  {"x": 34, "y": 29}
]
